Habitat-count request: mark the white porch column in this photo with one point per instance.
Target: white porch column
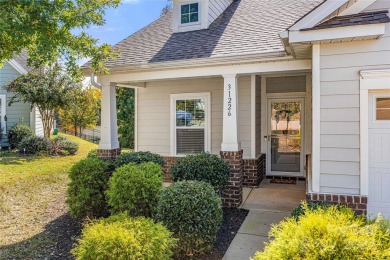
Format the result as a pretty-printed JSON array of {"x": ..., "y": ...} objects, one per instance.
[
  {"x": 230, "y": 138},
  {"x": 109, "y": 127},
  {"x": 316, "y": 121}
]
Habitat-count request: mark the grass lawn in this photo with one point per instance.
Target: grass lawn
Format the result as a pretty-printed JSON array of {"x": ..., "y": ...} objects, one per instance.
[{"x": 32, "y": 196}]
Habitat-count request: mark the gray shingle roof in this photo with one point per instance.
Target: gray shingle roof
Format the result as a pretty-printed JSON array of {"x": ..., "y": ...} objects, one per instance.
[
  {"x": 21, "y": 59},
  {"x": 246, "y": 27},
  {"x": 354, "y": 19}
]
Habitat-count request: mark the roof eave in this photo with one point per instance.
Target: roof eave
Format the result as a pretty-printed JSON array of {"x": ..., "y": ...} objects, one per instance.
[{"x": 215, "y": 61}]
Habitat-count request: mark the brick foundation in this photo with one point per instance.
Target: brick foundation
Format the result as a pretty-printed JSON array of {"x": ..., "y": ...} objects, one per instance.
[
  {"x": 232, "y": 194},
  {"x": 253, "y": 171},
  {"x": 356, "y": 203},
  {"x": 109, "y": 153},
  {"x": 169, "y": 161}
]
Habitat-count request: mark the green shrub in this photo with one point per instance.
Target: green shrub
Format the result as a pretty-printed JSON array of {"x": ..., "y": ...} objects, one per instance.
[
  {"x": 135, "y": 190},
  {"x": 123, "y": 238},
  {"x": 193, "y": 212},
  {"x": 86, "y": 191},
  {"x": 63, "y": 146},
  {"x": 138, "y": 158},
  {"x": 202, "y": 167},
  {"x": 17, "y": 133},
  {"x": 301, "y": 208},
  {"x": 92, "y": 154},
  {"x": 328, "y": 233},
  {"x": 35, "y": 145}
]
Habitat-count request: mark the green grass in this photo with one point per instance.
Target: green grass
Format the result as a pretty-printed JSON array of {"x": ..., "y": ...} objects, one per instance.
[{"x": 32, "y": 194}]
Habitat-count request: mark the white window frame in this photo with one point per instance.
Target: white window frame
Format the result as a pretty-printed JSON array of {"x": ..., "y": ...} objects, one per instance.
[
  {"x": 199, "y": 13},
  {"x": 370, "y": 80},
  {"x": 189, "y": 96},
  {"x": 375, "y": 97},
  {"x": 3, "y": 99}
]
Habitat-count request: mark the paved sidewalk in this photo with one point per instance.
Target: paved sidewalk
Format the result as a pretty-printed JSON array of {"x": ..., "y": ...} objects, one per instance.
[{"x": 268, "y": 204}]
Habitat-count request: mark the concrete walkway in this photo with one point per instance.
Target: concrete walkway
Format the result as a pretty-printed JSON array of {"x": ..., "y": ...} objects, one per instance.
[{"x": 267, "y": 205}]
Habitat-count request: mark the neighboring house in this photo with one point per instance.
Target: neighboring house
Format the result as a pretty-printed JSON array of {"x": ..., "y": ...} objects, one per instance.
[
  {"x": 18, "y": 112},
  {"x": 279, "y": 88}
]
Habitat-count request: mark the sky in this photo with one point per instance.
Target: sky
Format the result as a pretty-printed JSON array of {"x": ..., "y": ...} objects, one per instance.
[{"x": 127, "y": 18}]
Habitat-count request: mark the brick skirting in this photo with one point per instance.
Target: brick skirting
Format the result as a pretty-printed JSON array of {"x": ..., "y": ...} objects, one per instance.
[
  {"x": 109, "y": 153},
  {"x": 169, "y": 161},
  {"x": 253, "y": 171},
  {"x": 356, "y": 203},
  {"x": 232, "y": 194}
]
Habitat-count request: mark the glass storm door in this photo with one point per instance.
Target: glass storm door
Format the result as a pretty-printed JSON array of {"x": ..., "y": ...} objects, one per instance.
[{"x": 285, "y": 142}]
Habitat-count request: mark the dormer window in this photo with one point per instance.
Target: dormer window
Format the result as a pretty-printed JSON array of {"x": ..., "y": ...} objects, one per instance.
[{"x": 189, "y": 13}]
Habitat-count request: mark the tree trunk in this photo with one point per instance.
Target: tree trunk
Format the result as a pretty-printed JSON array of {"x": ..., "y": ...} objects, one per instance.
[{"x": 47, "y": 121}]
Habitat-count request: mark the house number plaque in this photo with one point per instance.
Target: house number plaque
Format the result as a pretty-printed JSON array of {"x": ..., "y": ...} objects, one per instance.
[{"x": 229, "y": 100}]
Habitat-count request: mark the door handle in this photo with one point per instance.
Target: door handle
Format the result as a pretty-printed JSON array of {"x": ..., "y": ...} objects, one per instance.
[{"x": 267, "y": 138}]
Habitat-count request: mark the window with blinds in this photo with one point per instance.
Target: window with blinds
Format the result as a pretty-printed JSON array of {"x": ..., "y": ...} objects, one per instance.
[{"x": 190, "y": 125}]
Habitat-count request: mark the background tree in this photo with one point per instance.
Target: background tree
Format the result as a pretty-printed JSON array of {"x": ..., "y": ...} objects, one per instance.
[
  {"x": 49, "y": 89},
  {"x": 125, "y": 113},
  {"x": 83, "y": 111},
  {"x": 45, "y": 28}
]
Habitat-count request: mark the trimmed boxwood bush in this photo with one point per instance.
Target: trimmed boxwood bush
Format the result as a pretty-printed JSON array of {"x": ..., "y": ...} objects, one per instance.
[
  {"x": 138, "y": 158},
  {"x": 193, "y": 212},
  {"x": 135, "y": 189},
  {"x": 86, "y": 191},
  {"x": 17, "y": 133},
  {"x": 202, "y": 167},
  {"x": 123, "y": 238},
  {"x": 328, "y": 233},
  {"x": 35, "y": 145},
  {"x": 63, "y": 146},
  {"x": 92, "y": 154}
]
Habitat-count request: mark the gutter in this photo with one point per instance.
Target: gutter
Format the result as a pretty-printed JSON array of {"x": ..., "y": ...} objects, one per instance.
[{"x": 94, "y": 82}]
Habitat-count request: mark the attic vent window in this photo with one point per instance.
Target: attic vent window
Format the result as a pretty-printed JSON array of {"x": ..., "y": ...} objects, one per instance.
[{"x": 190, "y": 13}]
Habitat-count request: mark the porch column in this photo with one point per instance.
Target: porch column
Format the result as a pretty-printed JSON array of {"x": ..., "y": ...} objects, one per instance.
[
  {"x": 231, "y": 148},
  {"x": 230, "y": 138},
  {"x": 109, "y": 144}
]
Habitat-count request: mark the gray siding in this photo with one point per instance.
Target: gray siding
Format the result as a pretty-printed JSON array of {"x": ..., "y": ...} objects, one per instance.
[
  {"x": 18, "y": 111},
  {"x": 216, "y": 7},
  {"x": 258, "y": 116},
  {"x": 340, "y": 126},
  {"x": 154, "y": 112}
]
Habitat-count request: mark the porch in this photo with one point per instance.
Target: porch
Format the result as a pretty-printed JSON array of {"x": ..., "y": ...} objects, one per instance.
[{"x": 260, "y": 123}]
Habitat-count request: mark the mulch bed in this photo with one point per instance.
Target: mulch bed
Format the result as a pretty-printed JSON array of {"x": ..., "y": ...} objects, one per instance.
[
  {"x": 232, "y": 220},
  {"x": 64, "y": 231}
]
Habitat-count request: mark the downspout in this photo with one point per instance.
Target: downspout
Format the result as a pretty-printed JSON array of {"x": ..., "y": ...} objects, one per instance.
[{"x": 95, "y": 83}]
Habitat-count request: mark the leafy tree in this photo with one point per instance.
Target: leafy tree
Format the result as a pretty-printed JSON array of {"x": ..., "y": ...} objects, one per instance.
[
  {"x": 83, "y": 111},
  {"x": 125, "y": 109},
  {"x": 46, "y": 29},
  {"x": 49, "y": 89}
]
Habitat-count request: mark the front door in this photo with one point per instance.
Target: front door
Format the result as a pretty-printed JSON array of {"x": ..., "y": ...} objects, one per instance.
[{"x": 285, "y": 137}]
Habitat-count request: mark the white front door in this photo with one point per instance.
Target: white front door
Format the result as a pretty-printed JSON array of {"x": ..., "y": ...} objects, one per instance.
[
  {"x": 379, "y": 155},
  {"x": 3, "y": 106},
  {"x": 285, "y": 137}
]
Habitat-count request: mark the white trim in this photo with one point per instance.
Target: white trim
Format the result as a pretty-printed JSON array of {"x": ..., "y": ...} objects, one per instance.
[
  {"x": 357, "y": 7},
  {"x": 316, "y": 120},
  {"x": 135, "y": 119},
  {"x": 366, "y": 30},
  {"x": 287, "y": 97},
  {"x": 369, "y": 80},
  {"x": 185, "y": 96},
  {"x": 3, "y": 99},
  {"x": 209, "y": 71},
  {"x": 264, "y": 133},
  {"x": 318, "y": 14},
  {"x": 253, "y": 116},
  {"x": 17, "y": 66}
]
